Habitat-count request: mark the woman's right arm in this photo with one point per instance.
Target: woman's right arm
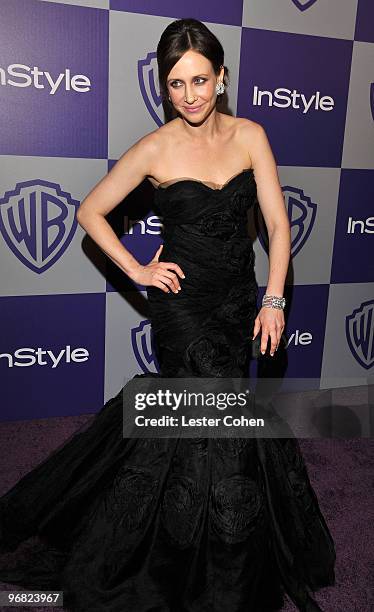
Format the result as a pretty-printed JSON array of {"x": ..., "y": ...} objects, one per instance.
[{"x": 128, "y": 172}]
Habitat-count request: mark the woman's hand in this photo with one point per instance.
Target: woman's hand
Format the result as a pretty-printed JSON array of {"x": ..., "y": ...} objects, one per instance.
[
  {"x": 158, "y": 274},
  {"x": 271, "y": 321}
]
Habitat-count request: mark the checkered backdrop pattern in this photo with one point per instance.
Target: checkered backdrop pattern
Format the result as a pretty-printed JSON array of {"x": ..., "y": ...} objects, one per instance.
[{"x": 78, "y": 86}]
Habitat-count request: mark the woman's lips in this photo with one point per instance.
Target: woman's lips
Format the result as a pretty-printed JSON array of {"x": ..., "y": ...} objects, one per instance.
[{"x": 192, "y": 109}]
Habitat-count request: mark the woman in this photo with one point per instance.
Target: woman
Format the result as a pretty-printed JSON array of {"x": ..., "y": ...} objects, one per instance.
[{"x": 183, "y": 524}]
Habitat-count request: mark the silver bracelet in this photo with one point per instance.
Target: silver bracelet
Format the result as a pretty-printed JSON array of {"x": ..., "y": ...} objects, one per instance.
[{"x": 273, "y": 301}]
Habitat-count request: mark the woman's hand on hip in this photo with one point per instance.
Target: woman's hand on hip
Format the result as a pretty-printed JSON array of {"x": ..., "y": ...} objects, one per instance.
[{"x": 162, "y": 274}]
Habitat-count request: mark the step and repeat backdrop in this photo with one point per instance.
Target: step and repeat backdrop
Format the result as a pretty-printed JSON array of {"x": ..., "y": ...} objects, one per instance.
[{"x": 78, "y": 86}]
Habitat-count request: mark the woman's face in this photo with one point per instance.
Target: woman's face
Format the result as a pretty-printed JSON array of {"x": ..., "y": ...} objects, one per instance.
[{"x": 191, "y": 85}]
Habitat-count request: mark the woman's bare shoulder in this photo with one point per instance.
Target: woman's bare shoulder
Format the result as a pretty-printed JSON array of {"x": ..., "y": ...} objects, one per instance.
[
  {"x": 251, "y": 135},
  {"x": 161, "y": 134},
  {"x": 243, "y": 129},
  {"x": 248, "y": 127},
  {"x": 155, "y": 143}
]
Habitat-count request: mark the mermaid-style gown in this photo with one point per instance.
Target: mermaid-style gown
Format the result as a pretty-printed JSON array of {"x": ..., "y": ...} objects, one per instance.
[{"x": 177, "y": 524}]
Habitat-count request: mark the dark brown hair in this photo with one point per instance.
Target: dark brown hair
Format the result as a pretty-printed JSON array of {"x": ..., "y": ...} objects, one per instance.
[{"x": 181, "y": 36}]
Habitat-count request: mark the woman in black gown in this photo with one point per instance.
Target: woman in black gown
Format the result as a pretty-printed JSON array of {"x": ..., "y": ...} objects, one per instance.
[{"x": 194, "y": 524}]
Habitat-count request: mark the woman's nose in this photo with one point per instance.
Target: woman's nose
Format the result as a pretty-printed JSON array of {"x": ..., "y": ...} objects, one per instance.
[{"x": 189, "y": 95}]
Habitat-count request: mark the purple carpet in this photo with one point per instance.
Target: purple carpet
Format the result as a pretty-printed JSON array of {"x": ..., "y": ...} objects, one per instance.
[{"x": 341, "y": 472}]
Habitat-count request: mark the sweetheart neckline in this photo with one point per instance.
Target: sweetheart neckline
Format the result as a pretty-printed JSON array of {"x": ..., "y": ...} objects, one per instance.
[{"x": 204, "y": 184}]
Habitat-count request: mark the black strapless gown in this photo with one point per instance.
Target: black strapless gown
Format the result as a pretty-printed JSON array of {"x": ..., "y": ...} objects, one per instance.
[{"x": 177, "y": 525}]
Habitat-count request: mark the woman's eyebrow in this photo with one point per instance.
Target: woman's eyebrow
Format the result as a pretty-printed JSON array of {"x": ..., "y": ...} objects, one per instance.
[{"x": 194, "y": 77}]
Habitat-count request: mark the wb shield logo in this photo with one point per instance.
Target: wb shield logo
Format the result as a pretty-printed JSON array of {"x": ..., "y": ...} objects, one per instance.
[
  {"x": 301, "y": 214},
  {"x": 38, "y": 222},
  {"x": 303, "y": 5},
  {"x": 142, "y": 344},
  {"x": 149, "y": 87},
  {"x": 359, "y": 329}
]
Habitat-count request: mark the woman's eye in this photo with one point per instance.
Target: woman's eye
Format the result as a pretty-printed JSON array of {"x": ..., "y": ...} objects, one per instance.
[{"x": 200, "y": 79}]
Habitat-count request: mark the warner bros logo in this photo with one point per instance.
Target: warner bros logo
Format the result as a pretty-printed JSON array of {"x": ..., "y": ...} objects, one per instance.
[
  {"x": 149, "y": 87},
  {"x": 359, "y": 329},
  {"x": 301, "y": 214},
  {"x": 142, "y": 344},
  {"x": 38, "y": 222},
  {"x": 303, "y": 5}
]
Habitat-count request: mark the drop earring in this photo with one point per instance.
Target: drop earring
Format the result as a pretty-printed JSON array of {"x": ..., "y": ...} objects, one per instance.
[{"x": 220, "y": 88}]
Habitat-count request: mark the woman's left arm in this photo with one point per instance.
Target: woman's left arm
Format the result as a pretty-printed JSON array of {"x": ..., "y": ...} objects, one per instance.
[{"x": 271, "y": 200}]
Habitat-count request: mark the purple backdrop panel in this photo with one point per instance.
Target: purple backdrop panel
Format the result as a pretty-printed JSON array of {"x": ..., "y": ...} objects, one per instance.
[
  {"x": 301, "y": 348},
  {"x": 296, "y": 86},
  {"x": 216, "y": 12},
  {"x": 365, "y": 21},
  {"x": 353, "y": 259},
  {"x": 55, "y": 91},
  {"x": 52, "y": 355}
]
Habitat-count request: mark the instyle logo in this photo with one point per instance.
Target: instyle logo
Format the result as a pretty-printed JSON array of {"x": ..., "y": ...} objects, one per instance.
[
  {"x": 142, "y": 344},
  {"x": 301, "y": 214},
  {"x": 42, "y": 79},
  {"x": 286, "y": 98},
  {"x": 298, "y": 338},
  {"x": 359, "y": 329},
  {"x": 151, "y": 226},
  {"x": 38, "y": 222},
  {"x": 149, "y": 87},
  {"x": 26, "y": 357},
  {"x": 360, "y": 226}
]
